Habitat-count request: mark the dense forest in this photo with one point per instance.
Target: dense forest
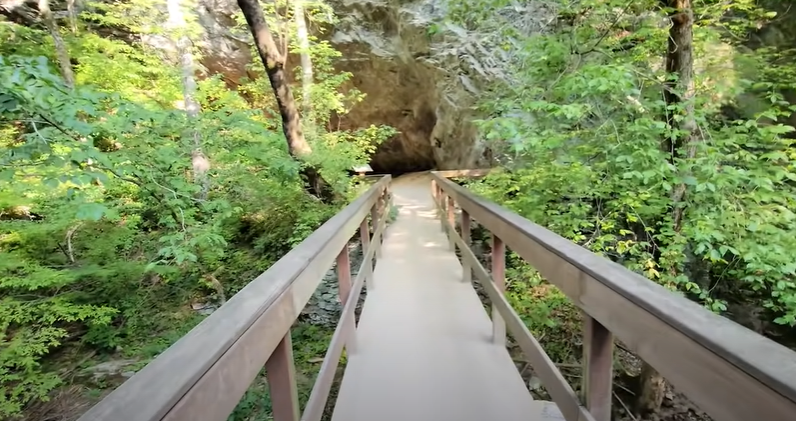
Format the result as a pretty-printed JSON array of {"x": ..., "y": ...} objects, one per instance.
[
  {"x": 140, "y": 189},
  {"x": 137, "y": 189},
  {"x": 657, "y": 134}
]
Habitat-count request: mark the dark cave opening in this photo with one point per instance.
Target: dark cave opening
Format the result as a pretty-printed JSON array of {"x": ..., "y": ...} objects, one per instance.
[
  {"x": 411, "y": 150},
  {"x": 398, "y": 164}
]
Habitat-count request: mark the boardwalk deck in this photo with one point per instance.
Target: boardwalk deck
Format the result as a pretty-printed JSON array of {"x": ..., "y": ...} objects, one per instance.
[{"x": 424, "y": 348}]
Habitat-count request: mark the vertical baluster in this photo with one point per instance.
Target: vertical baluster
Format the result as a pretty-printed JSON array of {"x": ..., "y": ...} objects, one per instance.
[
  {"x": 451, "y": 222},
  {"x": 344, "y": 287},
  {"x": 499, "y": 276},
  {"x": 598, "y": 350},
  {"x": 443, "y": 203},
  {"x": 281, "y": 375},
  {"x": 364, "y": 238},
  {"x": 434, "y": 192},
  {"x": 467, "y": 272},
  {"x": 375, "y": 213}
]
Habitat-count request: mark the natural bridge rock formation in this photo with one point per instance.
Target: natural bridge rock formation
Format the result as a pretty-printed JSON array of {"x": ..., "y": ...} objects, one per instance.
[
  {"x": 410, "y": 84},
  {"x": 419, "y": 87}
]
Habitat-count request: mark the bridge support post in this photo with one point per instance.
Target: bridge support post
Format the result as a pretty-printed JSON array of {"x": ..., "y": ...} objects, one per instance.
[
  {"x": 441, "y": 206},
  {"x": 598, "y": 351},
  {"x": 451, "y": 222},
  {"x": 499, "y": 276},
  {"x": 375, "y": 212},
  {"x": 344, "y": 288},
  {"x": 280, "y": 372},
  {"x": 364, "y": 238},
  {"x": 467, "y": 271}
]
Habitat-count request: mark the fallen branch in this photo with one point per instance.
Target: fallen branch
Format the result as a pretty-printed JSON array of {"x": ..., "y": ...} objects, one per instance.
[{"x": 69, "y": 250}]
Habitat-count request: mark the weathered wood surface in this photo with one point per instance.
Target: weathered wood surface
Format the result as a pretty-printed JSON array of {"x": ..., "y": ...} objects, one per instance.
[
  {"x": 425, "y": 350},
  {"x": 504, "y": 316},
  {"x": 730, "y": 372},
  {"x": 204, "y": 374},
  {"x": 344, "y": 333}
]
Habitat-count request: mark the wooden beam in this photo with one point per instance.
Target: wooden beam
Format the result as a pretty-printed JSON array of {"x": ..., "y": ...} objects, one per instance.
[
  {"x": 323, "y": 384},
  {"x": 728, "y": 371},
  {"x": 499, "y": 278},
  {"x": 204, "y": 374},
  {"x": 280, "y": 371},
  {"x": 598, "y": 364}
]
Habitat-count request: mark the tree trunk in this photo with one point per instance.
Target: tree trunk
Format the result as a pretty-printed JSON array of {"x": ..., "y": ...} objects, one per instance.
[
  {"x": 680, "y": 91},
  {"x": 306, "y": 61},
  {"x": 199, "y": 162},
  {"x": 61, "y": 53},
  {"x": 274, "y": 62},
  {"x": 70, "y": 10}
]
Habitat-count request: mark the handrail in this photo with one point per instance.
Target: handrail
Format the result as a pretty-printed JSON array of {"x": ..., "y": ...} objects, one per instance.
[
  {"x": 204, "y": 374},
  {"x": 730, "y": 372},
  {"x": 471, "y": 173}
]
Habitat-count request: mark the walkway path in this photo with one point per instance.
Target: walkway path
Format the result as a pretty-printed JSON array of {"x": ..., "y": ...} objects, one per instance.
[{"x": 424, "y": 341}]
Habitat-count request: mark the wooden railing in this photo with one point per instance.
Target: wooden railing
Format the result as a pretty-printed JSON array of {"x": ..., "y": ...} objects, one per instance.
[
  {"x": 204, "y": 375},
  {"x": 730, "y": 372}
]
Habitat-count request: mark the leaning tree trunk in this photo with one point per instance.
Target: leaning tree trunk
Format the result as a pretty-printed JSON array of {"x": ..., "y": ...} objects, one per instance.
[
  {"x": 274, "y": 62},
  {"x": 61, "y": 53},
  {"x": 679, "y": 91}
]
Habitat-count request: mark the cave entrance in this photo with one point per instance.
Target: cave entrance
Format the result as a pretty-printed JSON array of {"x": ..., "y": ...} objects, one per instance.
[
  {"x": 399, "y": 165},
  {"x": 411, "y": 149}
]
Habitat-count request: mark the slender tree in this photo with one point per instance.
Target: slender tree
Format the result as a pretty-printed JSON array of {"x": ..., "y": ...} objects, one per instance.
[
  {"x": 306, "y": 62},
  {"x": 61, "y": 52},
  {"x": 199, "y": 162},
  {"x": 679, "y": 92},
  {"x": 274, "y": 62}
]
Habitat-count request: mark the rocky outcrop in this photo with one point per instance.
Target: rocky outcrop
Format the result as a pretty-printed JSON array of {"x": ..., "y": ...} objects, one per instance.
[
  {"x": 409, "y": 82},
  {"x": 387, "y": 46},
  {"x": 225, "y": 51}
]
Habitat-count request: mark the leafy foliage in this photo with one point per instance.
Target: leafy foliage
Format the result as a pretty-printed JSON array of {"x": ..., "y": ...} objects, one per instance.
[
  {"x": 579, "y": 129},
  {"x": 104, "y": 239}
]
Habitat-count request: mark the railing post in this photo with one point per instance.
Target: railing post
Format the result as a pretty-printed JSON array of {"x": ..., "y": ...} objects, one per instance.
[
  {"x": 280, "y": 372},
  {"x": 364, "y": 239},
  {"x": 441, "y": 201},
  {"x": 598, "y": 351},
  {"x": 499, "y": 276},
  {"x": 451, "y": 222},
  {"x": 467, "y": 271},
  {"x": 375, "y": 220},
  {"x": 434, "y": 192},
  {"x": 344, "y": 288}
]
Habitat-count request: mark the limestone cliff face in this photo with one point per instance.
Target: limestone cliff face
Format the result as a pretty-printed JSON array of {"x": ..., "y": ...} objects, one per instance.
[
  {"x": 387, "y": 46},
  {"x": 410, "y": 83},
  {"x": 225, "y": 51}
]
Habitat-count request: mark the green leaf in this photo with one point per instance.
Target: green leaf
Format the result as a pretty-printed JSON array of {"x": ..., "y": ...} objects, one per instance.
[{"x": 91, "y": 211}]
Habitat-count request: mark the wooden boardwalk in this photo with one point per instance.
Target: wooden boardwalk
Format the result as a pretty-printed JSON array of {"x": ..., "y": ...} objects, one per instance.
[
  {"x": 423, "y": 349},
  {"x": 424, "y": 343}
]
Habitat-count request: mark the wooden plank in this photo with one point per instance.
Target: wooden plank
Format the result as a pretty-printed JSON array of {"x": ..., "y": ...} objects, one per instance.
[
  {"x": 274, "y": 297},
  {"x": 451, "y": 220},
  {"x": 467, "y": 272},
  {"x": 280, "y": 371},
  {"x": 598, "y": 352},
  {"x": 552, "y": 379},
  {"x": 499, "y": 277},
  {"x": 697, "y": 351},
  {"x": 364, "y": 238},
  {"x": 473, "y": 173},
  {"x": 344, "y": 290},
  {"x": 323, "y": 383}
]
